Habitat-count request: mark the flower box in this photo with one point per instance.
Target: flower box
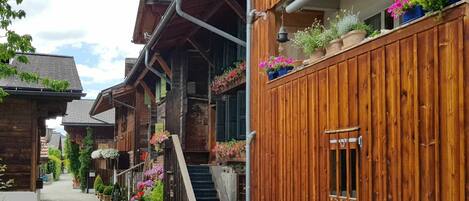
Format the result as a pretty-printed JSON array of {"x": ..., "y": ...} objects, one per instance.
[{"x": 413, "y": 14}]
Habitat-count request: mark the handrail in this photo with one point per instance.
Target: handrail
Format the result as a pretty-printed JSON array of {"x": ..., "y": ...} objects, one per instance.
[
  {"x": 183, "y": 168},
  {"x": 128, "y": 170}
]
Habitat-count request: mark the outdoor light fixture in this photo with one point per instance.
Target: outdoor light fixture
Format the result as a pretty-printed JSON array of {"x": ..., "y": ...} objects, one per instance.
[{"x": 282, "y": 35}]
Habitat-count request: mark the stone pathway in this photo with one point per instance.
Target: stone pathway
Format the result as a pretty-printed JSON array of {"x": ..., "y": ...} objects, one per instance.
[{"x": 62, "y": 191}]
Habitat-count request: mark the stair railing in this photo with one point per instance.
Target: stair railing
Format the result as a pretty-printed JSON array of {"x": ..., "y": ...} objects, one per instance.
[
  {"x": 128, "y": 178},
  {"x": 177, "y": 183}
]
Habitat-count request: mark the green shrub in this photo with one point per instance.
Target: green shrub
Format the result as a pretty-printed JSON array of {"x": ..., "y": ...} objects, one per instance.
[
  {"x": 156, "y": 193},
  {"x": 72, "y": 153},
  {"x": 55, "y": 152},
  {"x": 101, "y": 188},
  {"x": 310, "y": 39},
  {"x": 107, "y": 190},
  {"x": 97, "y": 181},
  {"x": 54, "y": 166},
  {"x": 85, "y": 158}
]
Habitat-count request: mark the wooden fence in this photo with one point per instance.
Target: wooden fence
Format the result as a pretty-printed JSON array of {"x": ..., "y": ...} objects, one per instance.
[{"x": 406, "y": 95}]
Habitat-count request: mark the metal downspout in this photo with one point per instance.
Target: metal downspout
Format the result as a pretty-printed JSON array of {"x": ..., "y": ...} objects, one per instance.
[
  {"x": 296, "y": 5},
  {"x": 209, "y": 27},
  {"x": 249, "y": 135},
  {"x": 162, "y": 77}
]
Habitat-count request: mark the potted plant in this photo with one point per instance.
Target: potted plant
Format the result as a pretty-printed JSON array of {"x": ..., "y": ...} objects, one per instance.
[
  {"x": 101, "y": 191},
  {"x": 351, "y": 30},
  {"x": 312, "y": 41},
  {"x": 157, "y": 140},
  {"x": 107, "y": 193},
  {"x": 410, "y": 9},
  {"x": 332, "y": 39},
  {"x": 97, "y": 182},
  {"x": 271, "y": 72}
]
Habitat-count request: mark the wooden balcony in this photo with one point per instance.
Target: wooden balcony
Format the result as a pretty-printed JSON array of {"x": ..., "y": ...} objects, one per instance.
[{"x": 405, "y": 96}]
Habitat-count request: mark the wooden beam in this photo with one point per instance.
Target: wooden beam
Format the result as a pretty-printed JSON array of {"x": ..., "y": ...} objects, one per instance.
[
  {"x": 141, "y": 76},
  {"x": 148, "y": 90},
  {"x": 199, "y": 48},
  {"x": 164, "y": 65},
  {"x": 206, "y": 18},
  {"x": 233, "y": 4}
]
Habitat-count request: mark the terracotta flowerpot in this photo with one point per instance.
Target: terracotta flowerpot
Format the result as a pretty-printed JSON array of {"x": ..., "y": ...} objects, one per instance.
[
  {"x": 107, "y": 198},
  {"x": 353, "y": 37},
  {"x": 334, "y": 47},
  {"x": 316, "y": 55}
]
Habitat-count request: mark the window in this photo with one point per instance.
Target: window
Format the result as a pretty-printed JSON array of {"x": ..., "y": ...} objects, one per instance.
[
  {"x": 231, "y": 117},
  {"x": 343, "y": 166},
  {"x": 381, "y": 20}
]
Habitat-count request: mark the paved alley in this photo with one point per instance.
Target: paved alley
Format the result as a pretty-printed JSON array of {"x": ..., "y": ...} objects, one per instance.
[{"x": 62, "y": 191}]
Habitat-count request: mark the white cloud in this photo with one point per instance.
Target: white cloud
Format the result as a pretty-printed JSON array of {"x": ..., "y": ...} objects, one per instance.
[
  {"x": 55, "y": 124},
  {"x": 106, "y": 24}
]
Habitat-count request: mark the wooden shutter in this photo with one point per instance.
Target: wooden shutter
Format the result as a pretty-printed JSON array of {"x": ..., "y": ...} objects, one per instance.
[
  {"x": 241, "y": 127},
  {"x": 220, "y": 120}
]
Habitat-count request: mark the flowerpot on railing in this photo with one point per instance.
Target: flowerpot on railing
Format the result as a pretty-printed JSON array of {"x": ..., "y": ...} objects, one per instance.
[
  {"x": 284, "y": 70},
  {"x": 272, "y": 75},
  {"x": 316, "y": 55},
  {"x": 353, "y": 37},
  {"x": 334, "y": 47},
  {"x": 107, "y": 198},
  {"x": 412, "y": 14}
]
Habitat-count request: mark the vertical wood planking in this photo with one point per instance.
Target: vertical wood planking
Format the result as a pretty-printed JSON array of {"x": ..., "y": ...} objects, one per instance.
[
  {"x": 313, "y": 137},
  {"x": 304, "y": 162},
  {"x": 324, "y": 140}
]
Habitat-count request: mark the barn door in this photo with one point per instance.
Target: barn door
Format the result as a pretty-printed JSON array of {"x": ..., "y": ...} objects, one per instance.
[{"x": 343, "y": 163}]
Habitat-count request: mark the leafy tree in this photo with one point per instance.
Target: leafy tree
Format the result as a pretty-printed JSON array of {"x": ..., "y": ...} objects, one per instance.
[
  {"x": 19, "y": 43},
  {"x": 55, "y": 152},
  {"x": 55, "y": 167},
  {"x": 85, "y": 158},
  {"x": 72, "y": 154}
]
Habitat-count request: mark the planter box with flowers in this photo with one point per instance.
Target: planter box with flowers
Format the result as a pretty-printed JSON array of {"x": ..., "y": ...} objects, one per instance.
[
  {"x": 231, "y": 78},
  {"x": 277, "y": 66},
  {"x": 158, "y": 139},
  {"x": 152, "y": 186},
  {"x": 231, "y": 151},
  {"x": 413, "y": 9}
]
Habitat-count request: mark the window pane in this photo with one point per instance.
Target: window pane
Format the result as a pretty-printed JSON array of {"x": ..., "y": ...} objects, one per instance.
[
  {"x": 332, "y": 172},
  {"x": 343, "y": 172},
  {"x": 353, "y": 173}
]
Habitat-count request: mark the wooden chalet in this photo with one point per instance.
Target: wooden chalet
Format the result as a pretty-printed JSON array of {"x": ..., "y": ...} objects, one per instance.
[
  {"x": 186, "y": 57},
  {"x": 23, "y": 114},
  {"x": 77, "y": 120},
  {"x": 387, "y": 119},
  {"x": 132, "y": 117}
]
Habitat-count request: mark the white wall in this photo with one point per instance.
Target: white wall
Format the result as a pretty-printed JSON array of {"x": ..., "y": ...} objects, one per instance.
[{"x": 367, "y": 8}]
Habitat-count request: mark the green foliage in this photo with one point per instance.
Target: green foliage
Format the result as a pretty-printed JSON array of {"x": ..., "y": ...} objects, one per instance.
[
  {"x": 346, "y": 21},
  {"x": 55, "y": 152},
  {"x": 310, "y": 39},
  {"x": 156, "y": 193},
  {"x": 431, "y": 5},
  {"x": 54, "y": 166},
  {"x": 108, "y": 190},
  {"x": 364, "y": 27},
  {"x": 85, "y": 158},
  {"x": 71, "y": 154},
  {"x": 97, "y": 181},
  {"x": 101, "y": 188},
  {"x": 19, "y": 43},
  {"x": 4, "y": 184},
  {"x": 330, "y": 34}
]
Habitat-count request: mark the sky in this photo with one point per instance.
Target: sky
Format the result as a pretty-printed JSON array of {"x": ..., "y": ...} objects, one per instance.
[{"x": 97, "y": 33}]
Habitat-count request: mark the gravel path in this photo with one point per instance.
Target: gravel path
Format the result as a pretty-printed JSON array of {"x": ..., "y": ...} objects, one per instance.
[{"x": 62, "y": 191}]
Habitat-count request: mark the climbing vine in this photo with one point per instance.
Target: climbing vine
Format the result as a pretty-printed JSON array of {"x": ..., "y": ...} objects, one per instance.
[{"x": 85, "y": 158}]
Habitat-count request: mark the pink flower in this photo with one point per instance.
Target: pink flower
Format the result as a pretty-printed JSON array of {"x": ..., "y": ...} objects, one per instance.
[{"x": 398, "y": 8}]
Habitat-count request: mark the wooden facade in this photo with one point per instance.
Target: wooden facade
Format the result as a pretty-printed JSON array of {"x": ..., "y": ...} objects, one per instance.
[{"x": 405, "y": 91}]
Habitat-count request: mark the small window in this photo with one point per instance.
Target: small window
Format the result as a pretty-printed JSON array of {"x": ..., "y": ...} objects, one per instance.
[
  {"x": 343, "y": 169},
  {"x": 382, "y": 20}
]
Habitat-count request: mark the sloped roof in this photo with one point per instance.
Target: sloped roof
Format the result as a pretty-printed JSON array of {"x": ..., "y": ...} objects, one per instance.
[
  {"x": 55, "y": 140},
  {"x": 78, "y": 114},
  {"x": 47, "y": 66}
]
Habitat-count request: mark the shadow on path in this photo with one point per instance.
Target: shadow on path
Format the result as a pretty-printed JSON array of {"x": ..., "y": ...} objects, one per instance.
[{"x": 62, "y": 191}]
